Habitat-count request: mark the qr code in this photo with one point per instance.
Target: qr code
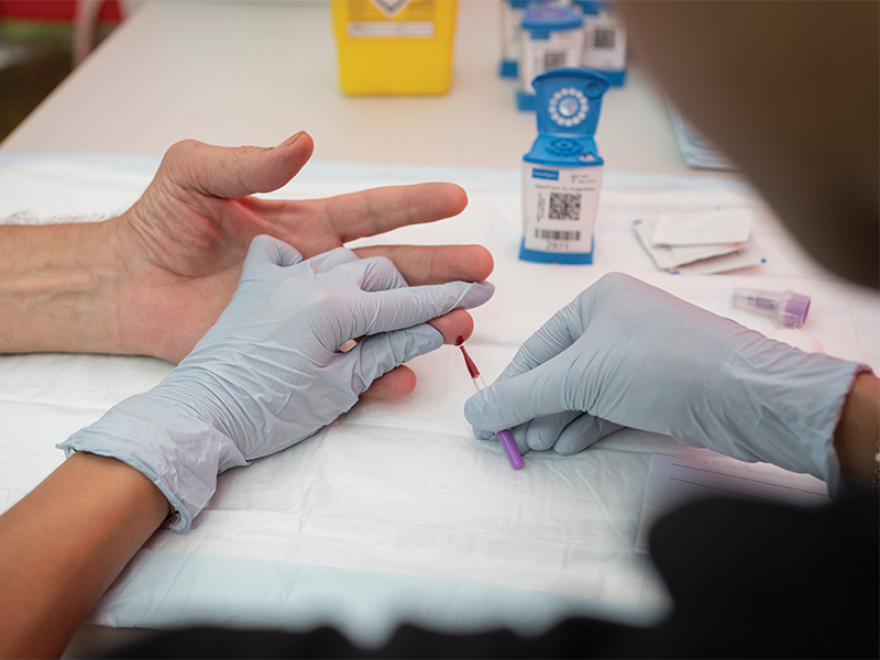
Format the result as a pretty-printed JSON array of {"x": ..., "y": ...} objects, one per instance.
[
  {"x": 564, "y": 206},
  {"x": 554, "y": 60},
  {"x": 553, "y": 235},
  {"x": 603, "y": 38}
]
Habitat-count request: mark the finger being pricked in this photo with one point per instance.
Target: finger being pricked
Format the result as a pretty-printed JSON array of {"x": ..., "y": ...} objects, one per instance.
[
  {"x": 435, "y": 264},
  {"x": 456, "y": 327}
]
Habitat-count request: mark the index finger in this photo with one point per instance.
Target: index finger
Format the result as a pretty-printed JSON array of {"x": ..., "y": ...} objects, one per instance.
[{"x": 548, "y": 341}]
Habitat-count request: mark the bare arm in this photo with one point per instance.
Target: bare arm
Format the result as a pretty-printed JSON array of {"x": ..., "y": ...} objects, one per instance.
[
  {"x": 58, "y": 288},
  {"x": 64, "y": 544},
  {"x": 153, "y": 280}
]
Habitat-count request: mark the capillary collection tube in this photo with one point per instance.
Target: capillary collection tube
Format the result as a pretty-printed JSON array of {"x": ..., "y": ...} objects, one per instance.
[{"x": 504, "y": 436}]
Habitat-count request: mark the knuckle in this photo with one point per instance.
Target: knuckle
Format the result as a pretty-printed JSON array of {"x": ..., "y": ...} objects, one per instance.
[
  {"x": 383, "y": 263},
  {"x": 614, "y": 280},
  {"x": 182, "y": 149}
]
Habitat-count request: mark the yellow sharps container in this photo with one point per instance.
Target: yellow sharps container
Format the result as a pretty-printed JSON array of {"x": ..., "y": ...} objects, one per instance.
[{"x": 394, "y": 46}]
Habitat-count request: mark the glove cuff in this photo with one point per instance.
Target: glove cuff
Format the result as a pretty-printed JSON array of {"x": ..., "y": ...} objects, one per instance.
[
  {"x": 788, "y": 412},
  {"x": 160, "y": 437}
]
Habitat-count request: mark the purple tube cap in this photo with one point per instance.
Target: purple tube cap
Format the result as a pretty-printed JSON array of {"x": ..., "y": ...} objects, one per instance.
[
  {"x": 795, "y": 311},
  {"x": 510, "y": 448}
]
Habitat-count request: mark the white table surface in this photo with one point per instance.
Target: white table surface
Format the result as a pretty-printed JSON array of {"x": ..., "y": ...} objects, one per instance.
[{"x": 254, "y": 73}]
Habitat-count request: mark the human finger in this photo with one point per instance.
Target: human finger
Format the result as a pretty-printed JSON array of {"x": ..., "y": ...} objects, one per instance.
[
  {"x": 583, "y": 432},
  {"x": 398, "y": 382},
  {"x": 378, "y": 210},
  {"x": 518, "y": 433},
  {"x": 543, "y": 432},
  {"x": 395, "y": 309},
  {"x": 268, "y": 251},
  {"x": 548, "y": 341},
  {"x": 455, "y": 327},
  {"x": 435, "y": 264},
  {"x": 376, "y": 355},
  {"x": 378, "y": 274},
  {"x": 543, "y": 390},
  {"x": 540, "y": 433},
  {"x": 231, "y": 172}
]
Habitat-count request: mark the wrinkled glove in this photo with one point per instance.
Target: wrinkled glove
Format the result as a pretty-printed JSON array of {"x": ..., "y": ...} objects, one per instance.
[
  {"x": 269, "y": 373},
  {"x": 626, "y": 354}
]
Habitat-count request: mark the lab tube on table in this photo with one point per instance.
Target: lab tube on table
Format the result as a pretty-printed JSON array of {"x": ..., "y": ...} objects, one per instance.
[{"x": 788, "y": 307}]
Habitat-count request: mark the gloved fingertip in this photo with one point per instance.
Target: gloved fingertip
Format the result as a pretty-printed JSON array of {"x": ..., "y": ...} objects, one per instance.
[
  {"x": 539, "y": 441},
  {"x": 567, "y": 448},
  {"x": 477, "y": 294},
  {"x": 480, "y": 434},
  {"x": 519, "y": 435},
  {"x": 271, "y": 250}
]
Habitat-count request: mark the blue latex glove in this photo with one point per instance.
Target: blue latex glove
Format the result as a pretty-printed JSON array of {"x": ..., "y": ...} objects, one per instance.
[
  {"x": 626, "y": 354},
  {"x": 268, "y": 374}
]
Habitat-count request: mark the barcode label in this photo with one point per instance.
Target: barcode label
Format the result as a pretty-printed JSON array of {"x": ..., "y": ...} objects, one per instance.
[
  {"x": 559, "y": 213},
  {"x": 564, "y": 206},
  {"x": 554, "y": 59},
  {"x": 553, "y": 235},
  {"x": 603, "y": 38}
]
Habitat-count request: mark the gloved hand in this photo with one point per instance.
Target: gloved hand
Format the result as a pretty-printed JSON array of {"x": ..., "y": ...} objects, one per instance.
[
  {"x": 268, "y": 374},
  {"x": 626, "y": 354}
]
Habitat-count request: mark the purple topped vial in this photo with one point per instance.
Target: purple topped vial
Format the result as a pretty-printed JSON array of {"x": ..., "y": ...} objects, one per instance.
[{"x": 788, "y": 307}]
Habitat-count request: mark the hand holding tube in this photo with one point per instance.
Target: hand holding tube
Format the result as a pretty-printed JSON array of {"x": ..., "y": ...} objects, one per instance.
[{"x": 624, "y": 353}]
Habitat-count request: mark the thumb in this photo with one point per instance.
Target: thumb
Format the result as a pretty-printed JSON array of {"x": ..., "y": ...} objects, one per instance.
[
  {"x": 231, "y": 172},
  {"x": 538, "y": 392}
]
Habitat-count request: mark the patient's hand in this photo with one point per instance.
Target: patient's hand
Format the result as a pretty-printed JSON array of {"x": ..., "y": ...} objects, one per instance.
[{"x": 190, "y": 231}]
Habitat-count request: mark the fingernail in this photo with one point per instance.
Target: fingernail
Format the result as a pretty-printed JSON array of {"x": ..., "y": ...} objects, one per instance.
[{"x": 289, "y": 141}]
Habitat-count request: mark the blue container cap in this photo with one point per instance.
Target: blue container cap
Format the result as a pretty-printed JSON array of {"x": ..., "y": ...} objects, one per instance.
[
  {"x": 568, "y": 101},
  {"x": 591, "y": 7},
  {"x": 550, "y": 19}
]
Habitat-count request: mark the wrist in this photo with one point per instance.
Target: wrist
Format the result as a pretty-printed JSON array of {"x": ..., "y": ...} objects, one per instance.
[
  {"x": 169, "y": 441},
  {"x": 790, "y": 404}
]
